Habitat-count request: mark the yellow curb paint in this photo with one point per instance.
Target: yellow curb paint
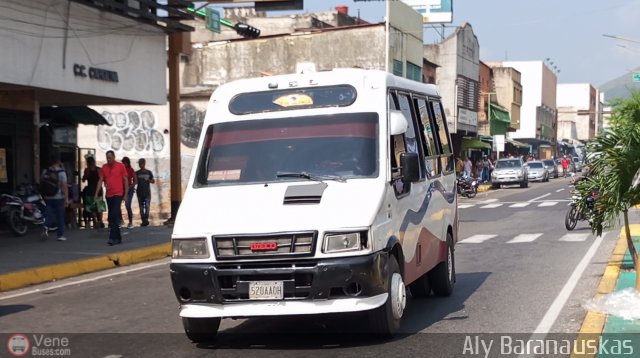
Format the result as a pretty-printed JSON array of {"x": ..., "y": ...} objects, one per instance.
[
  {"x": 483, "y": 188},
  {"x": 593, "y": 323},
  {"x": 15, "y": 280}
]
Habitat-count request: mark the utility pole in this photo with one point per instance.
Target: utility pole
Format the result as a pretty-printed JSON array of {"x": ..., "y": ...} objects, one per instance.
[{"x": 175, "y": 45}]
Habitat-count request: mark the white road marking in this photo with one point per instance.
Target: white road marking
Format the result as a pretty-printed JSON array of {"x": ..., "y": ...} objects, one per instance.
[
  {"x": 497, "y": 205},
  {"x": 575, "y": 237},
  {"x": 548, "y": 203},
  {"x": 464, "y": 206},
  {"x": 518, "y": 205},
  {"x": 116, "y": 272},
  {"x": 540, "y": 197},
  {"x": 559, "y": 190},
  {"x": 488, "y": 201},
  {"x": 524, "y": 238},
  {"x": 556, "y": 307},
  {"x": 477, "y": 239}
]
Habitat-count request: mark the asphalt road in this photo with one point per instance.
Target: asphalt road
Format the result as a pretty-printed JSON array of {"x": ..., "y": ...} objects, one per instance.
[{"x": 518, "y": 272}]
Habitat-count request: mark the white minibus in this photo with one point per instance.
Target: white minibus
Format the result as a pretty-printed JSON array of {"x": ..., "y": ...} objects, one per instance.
[{"x": 322, "y": 192}]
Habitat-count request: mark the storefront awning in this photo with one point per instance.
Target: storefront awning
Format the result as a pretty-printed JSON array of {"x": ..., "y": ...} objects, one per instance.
[
  {"x": 516, "y": 143},
  {"x": 499, "y": 114},
  {"x": 474, "y": 143},
  {"x": 72, "y": 115}
]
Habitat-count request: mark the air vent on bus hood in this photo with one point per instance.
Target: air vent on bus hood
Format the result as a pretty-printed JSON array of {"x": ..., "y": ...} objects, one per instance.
[{"x": 304, "y": 194}]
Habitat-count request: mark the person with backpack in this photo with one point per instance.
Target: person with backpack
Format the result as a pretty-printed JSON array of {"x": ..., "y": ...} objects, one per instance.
[{"x": 54, "y": 190}]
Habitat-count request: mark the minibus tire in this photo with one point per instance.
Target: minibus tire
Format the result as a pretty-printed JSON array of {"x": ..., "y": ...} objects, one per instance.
[
  {"x": 442, "y": 277},
  {"x": 382, "y": 320},
  {"x": 201, "y": 330}
]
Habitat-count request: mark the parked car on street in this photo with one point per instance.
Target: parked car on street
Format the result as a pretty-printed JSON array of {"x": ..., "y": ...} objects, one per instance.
[
  {"x": 537, "y": 171},
  {"x": 577, "y": 165},
  {"x": 509, "y": 171},
  {"x": 552, "y": 167}
]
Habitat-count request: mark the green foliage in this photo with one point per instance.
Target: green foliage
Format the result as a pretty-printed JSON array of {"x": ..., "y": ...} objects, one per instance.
[{"x": 614, "y": 159}]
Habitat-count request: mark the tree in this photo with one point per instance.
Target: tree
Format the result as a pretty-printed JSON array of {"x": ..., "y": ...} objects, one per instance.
[{"x": 614, "y": 160}]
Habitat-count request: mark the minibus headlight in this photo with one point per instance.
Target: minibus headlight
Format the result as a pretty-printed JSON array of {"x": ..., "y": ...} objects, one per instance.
[
  {"x": 342, "y": 242},
  {"x": 189, "y": 249}
]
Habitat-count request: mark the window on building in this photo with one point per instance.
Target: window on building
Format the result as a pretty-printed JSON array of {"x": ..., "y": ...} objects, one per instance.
[
  {"x": 414, "y": 72},
  {"x": 468, "y": 93},
  {"x": 397, "y": 68}
]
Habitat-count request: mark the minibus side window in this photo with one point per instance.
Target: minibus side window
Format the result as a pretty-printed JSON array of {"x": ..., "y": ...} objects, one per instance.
[
  {"x": 429, "y": 142},
  {"x": 397, "y": 146},
  {"x": 414, "y": 144},
  {"x": 443, "y": 137}
]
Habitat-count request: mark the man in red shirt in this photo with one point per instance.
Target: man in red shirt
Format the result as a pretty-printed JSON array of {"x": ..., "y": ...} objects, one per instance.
[
  {"x": 114, "y": 176},
  {"x": 565, "y": 165}
]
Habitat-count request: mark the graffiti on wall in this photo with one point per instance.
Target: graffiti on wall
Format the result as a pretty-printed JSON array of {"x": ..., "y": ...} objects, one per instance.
[
  {"x": 191, "y": 120},
  {"x": 131, "y": 131}
]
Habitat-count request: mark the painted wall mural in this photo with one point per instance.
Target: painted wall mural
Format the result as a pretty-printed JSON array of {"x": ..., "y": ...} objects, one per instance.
[
  {"x": 191, "y": 120},
  {"x": 134, "y": 131}
]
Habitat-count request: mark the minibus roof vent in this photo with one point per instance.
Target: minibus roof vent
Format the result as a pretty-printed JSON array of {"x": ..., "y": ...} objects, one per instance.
[{"x": 304, "y": 194}]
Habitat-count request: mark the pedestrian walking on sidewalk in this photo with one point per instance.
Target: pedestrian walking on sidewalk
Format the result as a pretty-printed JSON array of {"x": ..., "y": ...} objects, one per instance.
[
  {"x": 133, "y": 180},
  {"x": 144, "y": 178},
  {"x": 114, "y": 176},
  {"x": 95, "y": 207},
  {"x": 56, "y": 196}
]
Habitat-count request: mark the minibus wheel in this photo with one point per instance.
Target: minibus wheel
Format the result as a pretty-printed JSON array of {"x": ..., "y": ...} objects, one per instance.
[
  {"x": 443, "y": 275},
  {"x": 385, "y": 320},
  {"x": 201, "y": 330}
]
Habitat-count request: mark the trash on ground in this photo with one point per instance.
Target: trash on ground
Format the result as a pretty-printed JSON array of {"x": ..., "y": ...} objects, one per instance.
[{"x": 624, "y": 303}]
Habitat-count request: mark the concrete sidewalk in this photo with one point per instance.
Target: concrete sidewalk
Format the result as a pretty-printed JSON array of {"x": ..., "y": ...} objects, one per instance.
[{"x": 29, "y": 260}]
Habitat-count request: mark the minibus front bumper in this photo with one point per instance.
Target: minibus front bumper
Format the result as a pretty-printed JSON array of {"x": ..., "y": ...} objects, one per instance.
[{"x": 345, "y": 284}]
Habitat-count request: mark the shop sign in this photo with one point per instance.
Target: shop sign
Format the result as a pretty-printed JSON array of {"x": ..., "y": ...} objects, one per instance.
[{"x": 95, "y": 73}]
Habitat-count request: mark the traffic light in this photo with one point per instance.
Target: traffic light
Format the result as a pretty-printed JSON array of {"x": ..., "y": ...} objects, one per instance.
[{"x": 246, "y": 30}]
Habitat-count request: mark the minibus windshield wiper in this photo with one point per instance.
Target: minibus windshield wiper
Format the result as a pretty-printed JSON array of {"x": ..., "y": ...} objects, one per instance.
[{"x": 311, "y": 176}]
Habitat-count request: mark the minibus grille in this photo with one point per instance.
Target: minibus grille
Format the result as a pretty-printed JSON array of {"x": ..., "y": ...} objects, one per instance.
[{"x": 264, "y": 246}]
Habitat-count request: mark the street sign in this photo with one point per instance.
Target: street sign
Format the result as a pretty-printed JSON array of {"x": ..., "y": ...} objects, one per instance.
[
  {"x": 636, "y": 77},
  {"x": 498, "y": 142},
  {"x": 212, "y": 20}
]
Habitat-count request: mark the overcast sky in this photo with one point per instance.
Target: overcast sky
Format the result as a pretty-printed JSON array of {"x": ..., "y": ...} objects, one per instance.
[{"x": 569, "y": 32}]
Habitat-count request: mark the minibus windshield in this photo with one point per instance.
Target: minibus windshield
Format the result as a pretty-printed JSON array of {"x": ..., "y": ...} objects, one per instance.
[{"x": 343, "y": 146}]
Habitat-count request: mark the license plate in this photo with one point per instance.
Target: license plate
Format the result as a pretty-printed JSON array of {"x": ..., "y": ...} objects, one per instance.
[{"x": 265, "y": 290}]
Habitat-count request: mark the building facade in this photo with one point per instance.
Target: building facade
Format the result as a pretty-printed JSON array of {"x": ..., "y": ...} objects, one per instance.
[
  {"x": 538, "y": 115},
  {"x": 458, "y": 80},
  {"x": 59, "y": 57}
]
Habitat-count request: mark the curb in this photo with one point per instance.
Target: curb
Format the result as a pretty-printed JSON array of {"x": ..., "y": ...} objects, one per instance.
[
  {"x": 594, "y": 321},
  {"x": 36, "y": 275},
  {"x": 484, "y": 187}
]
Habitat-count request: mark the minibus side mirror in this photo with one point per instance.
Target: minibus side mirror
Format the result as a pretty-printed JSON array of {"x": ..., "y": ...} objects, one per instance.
[
  {"x": 410, "y": 166},
  {"x": 398, "y": 123}
]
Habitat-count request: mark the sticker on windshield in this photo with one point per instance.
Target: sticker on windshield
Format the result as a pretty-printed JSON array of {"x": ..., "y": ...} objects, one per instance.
[
  {"x": 233, "y": 174},
  {"x": 291, "y": 100}
]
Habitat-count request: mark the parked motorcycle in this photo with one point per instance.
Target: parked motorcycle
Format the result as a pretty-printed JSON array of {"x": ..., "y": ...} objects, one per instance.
[
  {"x": 467, "y": 186},
  {"x": 11, "y": 208},
  {"x": 34, "y": 204},
  {"x": 574, "y": 215}
]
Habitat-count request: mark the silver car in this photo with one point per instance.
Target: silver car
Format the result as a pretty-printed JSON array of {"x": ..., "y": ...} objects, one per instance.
[
  {"x": 537, "y": 171},
  {"x": 509, "y": 171},
  {"x": 552, "y": 168}
]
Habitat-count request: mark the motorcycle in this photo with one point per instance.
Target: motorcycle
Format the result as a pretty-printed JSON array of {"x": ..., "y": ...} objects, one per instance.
[
  {"x": 11, "y": 208},
  {"x": 467, "y": 186},
  {"x": 574, "y": 215},
  {"x": 33, "y": 204}
]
